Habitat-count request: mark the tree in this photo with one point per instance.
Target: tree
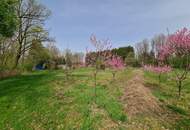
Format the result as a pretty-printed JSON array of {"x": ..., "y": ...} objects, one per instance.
[
  {"x": 130, "y": 59},
  {"x": 68, "y": 58},
  {"x": 158, "y": 70},
  {"x": 101, "y": 54},
  {"x": 124, "y": 52},
  {"x": 38, "y": 54},
  {"x": 176, "y": 52},
  {"x": 116, "y": 64},
  {"x": 8, "y": 24},
  {"x": 31, "y": 16},
  {"x": 8, "y": 20},
  {"x": 156, "y": 42},
  {"x": 142, "y": 50},
  {"x": 77, "y": 58},
  {"x": 54, "y": 51},
  {"x": 68, "y": 62}
]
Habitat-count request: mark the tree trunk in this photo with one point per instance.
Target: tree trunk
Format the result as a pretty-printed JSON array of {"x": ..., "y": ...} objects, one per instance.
[
  {"x": 113, "y": 73},
  {"x": 24, "y": 51},
  {"x": 16, "y": 61},
  {"x": 179, "y": 88},
  {"x": 159, "y": 79},
  {"x": 95, "y": 80}
]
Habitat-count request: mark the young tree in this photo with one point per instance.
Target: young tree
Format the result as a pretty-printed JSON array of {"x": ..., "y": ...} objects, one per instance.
[
  {"x": 68, "y": 58},
  {"x": 101, "y": 54},
  {"x": 176, "y": 52},
  {"x": 158, "y": 70},
  {"x": 116, "y": 64}
]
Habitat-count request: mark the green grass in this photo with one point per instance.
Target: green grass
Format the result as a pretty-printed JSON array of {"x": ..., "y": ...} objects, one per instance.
[
  {"x": 177, "y": 109},
  {"x": 183, "y": 124},
  {"x": 22, "y": 97},
  {"x": 46, "y": 100},
  {"x": 167, "y": 93}
]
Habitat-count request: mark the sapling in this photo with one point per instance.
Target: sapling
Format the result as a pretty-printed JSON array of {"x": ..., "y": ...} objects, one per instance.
[
  {"x": 158, "y": 70},
  {"x": 99, "y": 56},
  {"x": 116, "y": 64}
]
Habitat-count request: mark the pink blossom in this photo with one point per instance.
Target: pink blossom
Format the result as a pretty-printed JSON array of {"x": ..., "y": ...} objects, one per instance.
[
  {"x": 158, "y": 69},
  {"x": 100, "y": 45},
  {"x": 100, "y": 54},
  {"x": 177, "y": 44},
  {"x": 115, "y": 63}
]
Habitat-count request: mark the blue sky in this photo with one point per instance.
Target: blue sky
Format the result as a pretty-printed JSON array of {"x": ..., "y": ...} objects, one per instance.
[{"x": 124, "y": 22}]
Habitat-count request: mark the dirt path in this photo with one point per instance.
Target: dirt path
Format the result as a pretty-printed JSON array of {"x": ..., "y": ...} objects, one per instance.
[
  {"x": 138, "y": 99},
  {"x": 143, "y": 108}
]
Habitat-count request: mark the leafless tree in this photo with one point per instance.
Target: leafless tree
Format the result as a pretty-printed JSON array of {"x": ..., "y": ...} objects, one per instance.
[
  {"x": 156, "y": 42},
  {"x": 142, "y": 51}
]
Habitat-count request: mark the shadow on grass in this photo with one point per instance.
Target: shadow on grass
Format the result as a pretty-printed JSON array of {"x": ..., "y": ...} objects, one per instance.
[
  {"x": 80, "y": 75},
  {"x": 152, "y": 85},
  {"x": 183, "y": 124},
  {"x": 27, "y": 87},
  {"x": 177, "y": 109},
  {"x": 158, "y": 91}
]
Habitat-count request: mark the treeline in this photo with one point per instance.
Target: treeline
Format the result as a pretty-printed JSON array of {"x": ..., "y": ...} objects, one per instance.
[
  {"x": 144, "y": 52},
  {"x": 22, "y": 27},
  {"x": 50, "y": 57},
  {"x": 126, "y": 53},
  {"x": 25, "y": 42},
  {"x": 147, "y": 51}
]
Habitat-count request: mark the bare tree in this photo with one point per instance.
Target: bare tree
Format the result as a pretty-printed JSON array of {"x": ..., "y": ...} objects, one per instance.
[
  {"x": 142, "y": 51},
  {"x": 53, "y": 50},
  {"x": 77, "y": 58},
  {"x": 156, "y": 42}
]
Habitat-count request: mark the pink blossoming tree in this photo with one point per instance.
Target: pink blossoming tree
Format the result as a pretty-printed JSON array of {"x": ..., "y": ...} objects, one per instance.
[
  {"x": 158, "y": 69},
  {"x": 116, "y": 64},
  {"x": 176, "y": 52}
]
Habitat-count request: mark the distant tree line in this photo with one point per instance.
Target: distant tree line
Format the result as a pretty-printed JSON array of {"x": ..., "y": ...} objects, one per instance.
[
  {"x": 147, "y": 51},
  {"x": 144, "y": 52},
  {"x": 126, "y": 53}
]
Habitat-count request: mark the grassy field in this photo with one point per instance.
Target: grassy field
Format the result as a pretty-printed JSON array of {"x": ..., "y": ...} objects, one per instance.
[
  {"x": 47, "y": 100},
  {"x": 167, "y": 93}
]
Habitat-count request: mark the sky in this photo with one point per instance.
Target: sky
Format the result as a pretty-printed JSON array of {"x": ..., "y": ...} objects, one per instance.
[{"x": 123, "y": 22}]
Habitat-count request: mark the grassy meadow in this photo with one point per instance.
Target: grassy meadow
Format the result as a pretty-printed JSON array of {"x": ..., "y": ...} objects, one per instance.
[
  {"x": 47, "y": 100},
  {"x": 167, "y": 93}
]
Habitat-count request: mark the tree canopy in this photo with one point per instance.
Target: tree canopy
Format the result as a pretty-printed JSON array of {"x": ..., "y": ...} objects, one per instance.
[{"x": 8, "y": 18}]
